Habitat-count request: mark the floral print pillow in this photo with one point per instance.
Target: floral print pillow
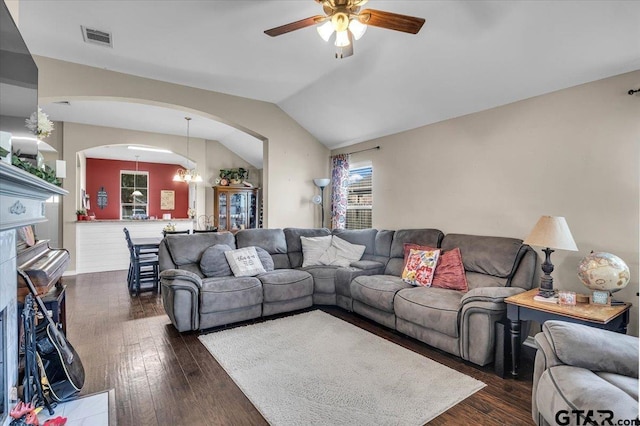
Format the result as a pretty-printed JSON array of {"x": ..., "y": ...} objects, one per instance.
[{"x": 420, "y": 267}]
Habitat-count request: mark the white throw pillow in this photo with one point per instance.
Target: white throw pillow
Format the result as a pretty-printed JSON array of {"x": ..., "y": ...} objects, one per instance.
[
  {"x": 313, "y": 248},
  {"x": 342, "y": 253},
  {"x": 245, "y": 262}
]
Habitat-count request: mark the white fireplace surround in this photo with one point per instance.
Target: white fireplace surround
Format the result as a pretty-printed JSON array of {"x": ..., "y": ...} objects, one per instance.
[{"x": 22, "y": 197}]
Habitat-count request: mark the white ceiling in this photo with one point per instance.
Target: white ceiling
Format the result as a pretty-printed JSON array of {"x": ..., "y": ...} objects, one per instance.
[{"x": 469, "y": 56}]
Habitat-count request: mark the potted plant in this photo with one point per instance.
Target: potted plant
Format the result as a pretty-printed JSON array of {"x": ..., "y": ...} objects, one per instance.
[
  {"x": 81, "y": 214},
  {"x": 235, "y": 176}
]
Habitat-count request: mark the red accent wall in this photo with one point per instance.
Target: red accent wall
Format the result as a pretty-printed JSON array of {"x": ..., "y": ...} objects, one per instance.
[{"x": 106, "y": 173}]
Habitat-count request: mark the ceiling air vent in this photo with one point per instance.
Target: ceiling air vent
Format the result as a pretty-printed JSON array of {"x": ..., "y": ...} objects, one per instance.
[{"x": 91, "y": 35}]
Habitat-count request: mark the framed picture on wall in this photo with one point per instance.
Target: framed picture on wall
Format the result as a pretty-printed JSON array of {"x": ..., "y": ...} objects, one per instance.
[{"x": 167, "y": 199}]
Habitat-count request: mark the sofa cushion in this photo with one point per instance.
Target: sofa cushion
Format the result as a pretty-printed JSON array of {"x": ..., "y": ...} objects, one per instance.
[
  {"x": 286, "y": 284},
  {"x": 313, "y": 248},
  {"x": 265, "y": 259},
  {"x": 213, "y": 262},
  {"x": 361, "y": 237},
  {"x": 272, "y": 240},
  {"x": 185, "y": 249},
  {"x": 377, "y": 291},
  {"x": 244, "y": 262},
  {"x": 477, "y": 280},
  {"x": 410, "y": 246},
  {"x": 495, "y": 256},
  {"x": 228, "y": 293},
  {"x": 341, "y": 253},
  {"x": 324, "y": 278},
  {"x": 423, "y": 237},
  {"x": 294, "y": 246},
  {"x": 450, "y": 272},
  {"x": 420, "y": 267},
  {"x": 433, "y": 308},
  {"x": 568, "y": 388}
]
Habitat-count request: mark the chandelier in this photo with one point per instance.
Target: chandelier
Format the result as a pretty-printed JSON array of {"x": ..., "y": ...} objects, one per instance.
[{"x": 187, "y": 175}]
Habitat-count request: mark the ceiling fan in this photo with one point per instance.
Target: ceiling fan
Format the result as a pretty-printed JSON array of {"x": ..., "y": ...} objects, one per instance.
[{"x": 349, "y": 23}]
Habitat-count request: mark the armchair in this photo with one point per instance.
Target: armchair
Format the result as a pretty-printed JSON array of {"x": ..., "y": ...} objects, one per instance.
[{"x": 584, "y": 375}]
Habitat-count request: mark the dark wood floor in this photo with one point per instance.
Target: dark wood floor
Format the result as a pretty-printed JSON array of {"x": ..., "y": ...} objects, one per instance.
[{"x": 162, "y": 377}]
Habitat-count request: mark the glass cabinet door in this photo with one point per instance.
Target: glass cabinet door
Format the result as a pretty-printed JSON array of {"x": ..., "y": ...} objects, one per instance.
[
  {"x": 253, "y": 209},
  {"x": 222, "y": 212},
  {"x": 238, "y": 211}
]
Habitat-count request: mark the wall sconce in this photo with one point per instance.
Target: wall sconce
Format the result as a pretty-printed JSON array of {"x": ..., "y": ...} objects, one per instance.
[{"x": 319, "y": 199}]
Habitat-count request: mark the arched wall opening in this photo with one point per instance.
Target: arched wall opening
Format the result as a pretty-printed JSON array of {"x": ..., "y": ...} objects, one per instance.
[{"x": 292, "y": 156}]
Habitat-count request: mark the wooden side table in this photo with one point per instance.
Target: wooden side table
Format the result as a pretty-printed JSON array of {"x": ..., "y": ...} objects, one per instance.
[{"x": 522, "y": 307}]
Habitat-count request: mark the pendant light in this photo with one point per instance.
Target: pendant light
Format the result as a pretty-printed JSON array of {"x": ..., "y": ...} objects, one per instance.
[
  {"x": 187, "y": 175},
  {"x": 136, "y": 193}
]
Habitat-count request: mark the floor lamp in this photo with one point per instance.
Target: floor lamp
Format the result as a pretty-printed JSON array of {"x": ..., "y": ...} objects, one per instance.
[{"x": 319, "y": 199}]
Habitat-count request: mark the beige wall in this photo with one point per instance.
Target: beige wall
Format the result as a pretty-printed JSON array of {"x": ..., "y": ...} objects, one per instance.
[
  {"x": 572, "y": 153},
  {"x": 209, "y": 155},
  {"x": 292, "y": 156}
]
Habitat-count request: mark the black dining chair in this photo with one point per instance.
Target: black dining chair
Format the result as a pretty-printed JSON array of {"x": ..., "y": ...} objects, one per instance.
[
  {"x": 144, "y": 267},
  {"x": 165, "y": 233}
]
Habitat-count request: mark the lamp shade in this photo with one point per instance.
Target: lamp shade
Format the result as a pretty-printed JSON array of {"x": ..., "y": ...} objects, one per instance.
[
  {"x": 321, "y": 182},
  {"x": 552, "y": 232}
]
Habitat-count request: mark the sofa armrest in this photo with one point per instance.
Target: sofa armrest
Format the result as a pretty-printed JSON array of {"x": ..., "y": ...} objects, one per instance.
[
  {"x": 593, "y": 348},
  {"x": 170, "y": 275},
  {"x": 180, "y": 298},
  {"x": 367, "y": 264},
  {"x": 490, "y": 294}
]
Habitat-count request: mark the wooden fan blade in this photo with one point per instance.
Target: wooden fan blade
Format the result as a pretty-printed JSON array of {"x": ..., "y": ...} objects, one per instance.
[
  {"x": 292, "y": 26},
  {"x": 391, "y": 21}
]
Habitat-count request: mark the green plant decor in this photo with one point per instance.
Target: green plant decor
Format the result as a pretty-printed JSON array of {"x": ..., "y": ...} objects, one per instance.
[
  {"x": 235, "y": 174},
  {"x": 3, "y": 152},
  {"x": 48, "y": 174},
  {"x": 81, "y": 212}
]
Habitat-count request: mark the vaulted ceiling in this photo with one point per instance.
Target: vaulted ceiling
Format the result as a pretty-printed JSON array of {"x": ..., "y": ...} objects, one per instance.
[{"x": 469, "y": 56}]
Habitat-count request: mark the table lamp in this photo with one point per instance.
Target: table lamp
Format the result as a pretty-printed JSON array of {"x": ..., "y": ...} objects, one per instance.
[{"x": 551, "y": 232}]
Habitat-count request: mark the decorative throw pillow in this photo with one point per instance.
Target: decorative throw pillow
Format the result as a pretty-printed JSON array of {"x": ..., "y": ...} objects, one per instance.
[
  {"x": 313, "y": 248},
  {"x": 420, "y": 267},
  {"x": 409, "y": 246},
  {"x": 245, "y": 262},
  {"x": 341, "y": 253},
  {"x": 265, "y": 259},
  {"x": 450, "y": 271},
  {"x": 213, "y": 262}
]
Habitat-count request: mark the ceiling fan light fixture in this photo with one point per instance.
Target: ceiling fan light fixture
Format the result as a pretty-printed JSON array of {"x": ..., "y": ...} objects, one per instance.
[
  {"x": 342, "y": 39},
  {"x": 357, "y": 28},
  {"x": 340, "y": 21},
  {"x": 325, "y": 30}
]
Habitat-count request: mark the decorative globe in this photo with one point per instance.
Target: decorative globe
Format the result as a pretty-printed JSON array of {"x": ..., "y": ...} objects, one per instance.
[{"x": 604, "y": 272}]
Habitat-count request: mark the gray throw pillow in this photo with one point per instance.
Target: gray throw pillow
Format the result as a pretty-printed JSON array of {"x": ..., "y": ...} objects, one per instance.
[
  {"x": 213, "y": 262},
  {"x": 265, "y": 259}
]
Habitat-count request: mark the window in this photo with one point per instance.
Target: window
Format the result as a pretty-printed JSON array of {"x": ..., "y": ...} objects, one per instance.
[
  {"x": 360, "y": 199},
  {"x": 133, "y": 207}
]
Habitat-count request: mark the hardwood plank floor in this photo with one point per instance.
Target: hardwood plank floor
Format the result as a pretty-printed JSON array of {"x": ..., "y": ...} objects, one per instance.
[{"x": 162, "y": 377}]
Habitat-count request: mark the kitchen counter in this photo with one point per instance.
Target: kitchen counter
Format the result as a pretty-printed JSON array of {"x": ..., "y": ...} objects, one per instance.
[{"x": 101, "y": 245}]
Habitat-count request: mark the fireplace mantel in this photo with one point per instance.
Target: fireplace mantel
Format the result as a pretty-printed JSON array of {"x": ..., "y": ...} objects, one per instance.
[{"x": 22, "y": 197}]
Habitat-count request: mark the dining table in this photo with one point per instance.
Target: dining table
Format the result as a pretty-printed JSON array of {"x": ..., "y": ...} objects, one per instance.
[{"x": 146, "y": 244}]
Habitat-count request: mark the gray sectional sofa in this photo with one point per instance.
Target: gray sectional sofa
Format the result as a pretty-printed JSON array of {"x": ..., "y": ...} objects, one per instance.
[
  {"x": 584, "y": 375},
  {"x": 459, "y": 323}
]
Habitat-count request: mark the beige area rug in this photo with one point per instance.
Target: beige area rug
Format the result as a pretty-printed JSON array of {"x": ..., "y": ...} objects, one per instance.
[{"x": 314, "y": 368}]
